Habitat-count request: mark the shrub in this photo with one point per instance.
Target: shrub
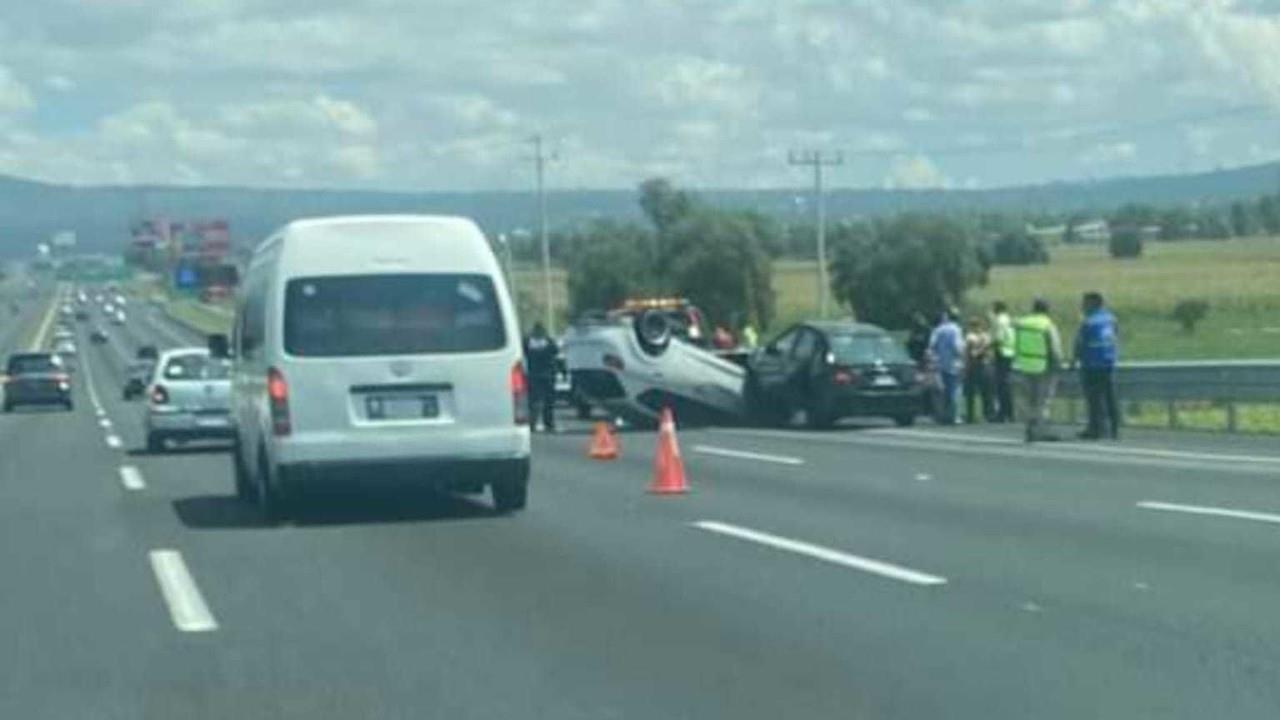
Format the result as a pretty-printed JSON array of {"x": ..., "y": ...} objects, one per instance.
[
  {"x": 1126, "y": 242},
  {"x": 1019, "y": 248},
  {"x": 1190, "y": 312}
]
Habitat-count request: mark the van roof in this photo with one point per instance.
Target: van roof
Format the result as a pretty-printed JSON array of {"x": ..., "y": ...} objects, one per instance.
[{"x": 356, "y": 244}]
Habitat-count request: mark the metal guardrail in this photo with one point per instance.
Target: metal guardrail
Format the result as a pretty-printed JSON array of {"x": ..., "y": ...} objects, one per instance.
[{"x": 1226, "y": 383}]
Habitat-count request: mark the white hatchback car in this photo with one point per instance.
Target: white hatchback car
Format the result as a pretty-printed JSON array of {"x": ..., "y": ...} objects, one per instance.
[
  {"x": 378, "y": 347},
  {"x": 188, "y": 398}
]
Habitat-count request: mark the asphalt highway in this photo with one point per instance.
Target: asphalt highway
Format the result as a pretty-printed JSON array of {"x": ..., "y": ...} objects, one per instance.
[{"x": 864, "y": 572}]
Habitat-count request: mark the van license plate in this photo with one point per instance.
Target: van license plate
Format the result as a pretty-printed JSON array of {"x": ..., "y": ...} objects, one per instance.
[
  {"x": 401, "y": 407},
  {"x": 884, "y": 381}
]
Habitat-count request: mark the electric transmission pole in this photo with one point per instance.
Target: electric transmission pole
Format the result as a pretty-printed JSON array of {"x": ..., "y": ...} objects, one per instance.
[
  {"x": 819, "y": 160},
  {"x": 540, "y": 159}
]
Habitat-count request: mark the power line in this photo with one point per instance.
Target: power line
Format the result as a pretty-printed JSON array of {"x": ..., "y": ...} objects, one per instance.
[{"x": 818, "y": 160}]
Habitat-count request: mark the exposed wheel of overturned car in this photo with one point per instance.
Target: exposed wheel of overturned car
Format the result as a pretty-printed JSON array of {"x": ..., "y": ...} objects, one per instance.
[{"x": 653, "y": 330}]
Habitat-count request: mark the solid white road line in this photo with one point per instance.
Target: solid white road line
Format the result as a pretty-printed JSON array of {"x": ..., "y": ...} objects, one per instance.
[
  {"x": 186, "y": 606},
  {"x": 90, "y": 386},
  {"x": 37, "y": 342},
  {"x": 113, "y": 441},
  {"x": 875, "y": 567},
  {"x": 1207, "y": 510},
  {"x": 1142, "y": 457},
  {"x": 1091, "y": 446},
  {"x": 743, "y": 455},
  {"x": 131, "y": 478}
]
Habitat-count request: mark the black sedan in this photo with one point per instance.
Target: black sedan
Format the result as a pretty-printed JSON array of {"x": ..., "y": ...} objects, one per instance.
[
  {"x": 98, "y": 336},
  {"x": 832, "y": 370},
  {"x": 36, "y": 379}
]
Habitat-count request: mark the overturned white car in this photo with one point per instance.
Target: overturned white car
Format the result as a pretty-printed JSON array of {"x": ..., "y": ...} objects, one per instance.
[{"x": 634, "y": 361}]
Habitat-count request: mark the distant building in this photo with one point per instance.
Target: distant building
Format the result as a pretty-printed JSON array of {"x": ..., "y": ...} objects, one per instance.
[{"x": 1095, "y": 231}]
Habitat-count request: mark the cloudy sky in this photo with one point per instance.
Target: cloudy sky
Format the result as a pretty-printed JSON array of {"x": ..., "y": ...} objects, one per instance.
[{"x": 442, "y": 94}]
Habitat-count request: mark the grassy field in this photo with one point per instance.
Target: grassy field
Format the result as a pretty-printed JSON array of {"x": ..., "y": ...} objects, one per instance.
[{"x": 1240, "y": 279}]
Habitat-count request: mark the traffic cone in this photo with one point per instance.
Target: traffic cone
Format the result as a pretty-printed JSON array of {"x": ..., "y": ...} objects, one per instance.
[
  {"x": 668, "y": 468},
  {"x": 604, "y": 445}
]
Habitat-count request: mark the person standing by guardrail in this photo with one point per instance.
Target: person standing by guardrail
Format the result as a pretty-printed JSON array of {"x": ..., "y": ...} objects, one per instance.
[
  {"x": 1037, "y": 359},
  {"x": 946, "y": 350},
  {"x": 1002, "y": 360},
  {"x": 1096, "y": 351}
]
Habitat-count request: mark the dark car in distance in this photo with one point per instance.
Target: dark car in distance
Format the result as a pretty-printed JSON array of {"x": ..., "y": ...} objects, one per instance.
[
  {"x": 832, "y": 370},
  {"x": 37, "y": 378},
  {"x": 136, "y": 376}
]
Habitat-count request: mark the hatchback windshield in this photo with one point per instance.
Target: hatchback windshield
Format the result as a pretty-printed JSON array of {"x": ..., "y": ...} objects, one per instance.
[
  {"x": 866, "y": 348},
  {"x": 391, "y": 314},
  {"x": 196, "y": 367}
]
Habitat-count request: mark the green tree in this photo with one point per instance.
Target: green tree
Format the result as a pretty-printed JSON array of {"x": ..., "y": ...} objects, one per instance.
[
  {"x": 665, "y": 206},
  {"x": 1243, "y": 222},
  {"x": 1176, "y": 223},
  {"x": 1018, "y": 247},
  {"x": 1126, "y": 242},
  {"x": 1269, "y": 214},
  {"x": 1214, "y": 225},
  {"x": 723, "y": 265},
  {"x": 1189, "y": 312},
  {"x": 912, "y": 263},
  {"x": 607, "y": 262}
]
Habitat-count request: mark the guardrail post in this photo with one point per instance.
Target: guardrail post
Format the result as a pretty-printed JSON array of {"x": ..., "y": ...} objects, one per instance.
[
  {"x": 1231, "y": 417},
  {"x": 1173, "y": 414}
]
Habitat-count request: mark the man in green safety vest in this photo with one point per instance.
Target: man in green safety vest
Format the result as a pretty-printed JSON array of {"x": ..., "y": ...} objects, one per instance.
[{"x": 1037, "y": 358}]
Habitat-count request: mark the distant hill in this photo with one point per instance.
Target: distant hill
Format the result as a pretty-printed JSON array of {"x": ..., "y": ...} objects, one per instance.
[{"x": 30, "y": 211}]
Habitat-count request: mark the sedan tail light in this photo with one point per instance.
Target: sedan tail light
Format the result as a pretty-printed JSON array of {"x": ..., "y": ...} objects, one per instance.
[
  {"x": 519, "y": 394},
  {"x": 159, "y": 396},
  {"x": 278, "y": 396}
]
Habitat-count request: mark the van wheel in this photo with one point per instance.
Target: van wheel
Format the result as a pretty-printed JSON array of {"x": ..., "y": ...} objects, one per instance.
[
  {"x": 244, "y": 483},
  {"x": 267, "y": 493},
  {"x": 155, "y": 443},
  {"x": 511, "y": 493}
]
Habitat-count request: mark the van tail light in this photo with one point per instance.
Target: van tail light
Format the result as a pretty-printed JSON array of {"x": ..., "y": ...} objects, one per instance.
[
  {"x": 278, "y": 396},
  {"x": 520, "y": 394},
  {"x": 844, "y": 376},
  {"x": 159, "y": 396}
]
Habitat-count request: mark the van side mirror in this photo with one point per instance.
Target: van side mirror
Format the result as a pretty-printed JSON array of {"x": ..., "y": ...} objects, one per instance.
[{"x": 219, "y": 346}]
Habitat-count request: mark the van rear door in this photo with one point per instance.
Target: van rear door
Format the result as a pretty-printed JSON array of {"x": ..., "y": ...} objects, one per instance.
[{"x": 414, "y": 351}]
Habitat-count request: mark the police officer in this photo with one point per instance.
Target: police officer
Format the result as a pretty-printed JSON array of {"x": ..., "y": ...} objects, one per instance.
[
  {"x": 1037, "y": 357},
  {"x": 1096, "y": 351},
  {"x": 540, "y": 354}
]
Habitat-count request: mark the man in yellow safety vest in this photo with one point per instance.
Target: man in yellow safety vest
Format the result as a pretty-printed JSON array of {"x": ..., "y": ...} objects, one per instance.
[{"x": 1037, "y": 358}]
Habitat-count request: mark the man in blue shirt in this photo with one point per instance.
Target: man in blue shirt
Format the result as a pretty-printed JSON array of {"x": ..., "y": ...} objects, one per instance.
[
  {"x": 1096, "y": 351},
  {"x": 946, "y": 350}
]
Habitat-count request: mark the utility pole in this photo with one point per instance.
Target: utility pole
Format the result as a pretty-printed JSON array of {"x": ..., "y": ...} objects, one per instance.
[
  {"x": 818, "y": 160},
  {"x": 540, "y": 159}
]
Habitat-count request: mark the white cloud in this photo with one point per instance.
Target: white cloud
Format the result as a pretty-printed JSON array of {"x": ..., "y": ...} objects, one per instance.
[
  {"x": 325, "y": 92},
  {"x": 14, "y": 96},
  {"x": 915, "y": 172},
  {"x": 60, "y": 83}
]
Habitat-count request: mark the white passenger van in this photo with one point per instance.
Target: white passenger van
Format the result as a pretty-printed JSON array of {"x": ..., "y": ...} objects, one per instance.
[{"x": 377, "y": 348}]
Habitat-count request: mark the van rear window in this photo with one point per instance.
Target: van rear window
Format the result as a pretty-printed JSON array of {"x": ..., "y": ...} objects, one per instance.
[{"x": 391, "y": 314}]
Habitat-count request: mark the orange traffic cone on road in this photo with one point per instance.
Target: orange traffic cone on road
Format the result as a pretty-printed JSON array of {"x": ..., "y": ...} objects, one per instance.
[
  {"x": 604, "y": 444},
  {"x": 668, "y": 468}
]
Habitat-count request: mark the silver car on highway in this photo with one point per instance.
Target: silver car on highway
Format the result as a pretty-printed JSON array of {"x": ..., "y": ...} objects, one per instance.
[{"x": 188, "y": 398}]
